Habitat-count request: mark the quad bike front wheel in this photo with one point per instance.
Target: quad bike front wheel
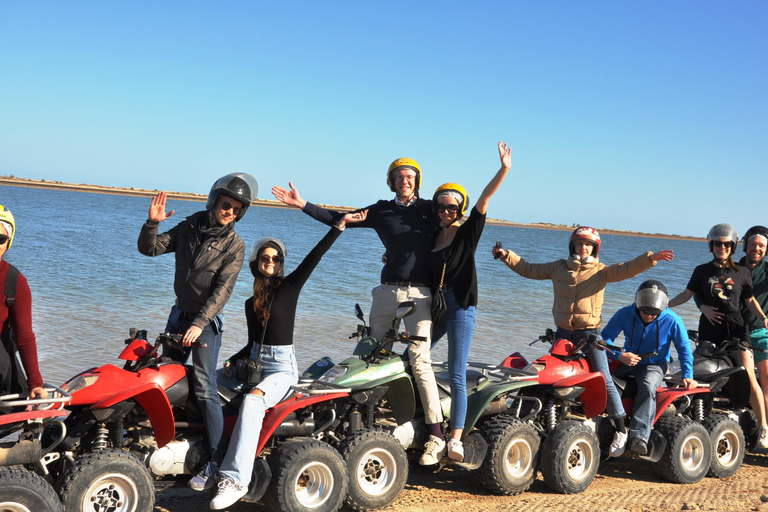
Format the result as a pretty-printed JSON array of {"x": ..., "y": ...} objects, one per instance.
[
  {"x": 570, "y": 457},
  {"x": 24, "y": 491},
  {"x": 107, "y": 481},
  {"x": 509, "y": 466}
]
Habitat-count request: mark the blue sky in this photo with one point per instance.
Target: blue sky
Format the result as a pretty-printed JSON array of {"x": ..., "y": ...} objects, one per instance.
[{"x": 648, "y": 116}]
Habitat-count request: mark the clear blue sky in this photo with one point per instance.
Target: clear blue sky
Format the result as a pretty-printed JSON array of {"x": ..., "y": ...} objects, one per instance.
[{"x": 649, "y": 116}]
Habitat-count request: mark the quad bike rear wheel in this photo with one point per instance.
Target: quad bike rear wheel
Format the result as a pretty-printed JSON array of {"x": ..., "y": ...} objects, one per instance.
[
  {"x": 24, "y": 491},
  {"x": 570, "y": 457},
  {"x": 728, "y": 445},
  {"x": 688, "y": 455}
]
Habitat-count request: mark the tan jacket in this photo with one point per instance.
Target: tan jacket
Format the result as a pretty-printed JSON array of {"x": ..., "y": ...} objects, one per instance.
[{"x": 579, "y": 286}]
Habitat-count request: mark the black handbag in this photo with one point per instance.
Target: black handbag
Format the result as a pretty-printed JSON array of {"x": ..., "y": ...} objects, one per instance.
[
  {"x": 439, "y": 306},
  {"x": 247, "y": 371}
]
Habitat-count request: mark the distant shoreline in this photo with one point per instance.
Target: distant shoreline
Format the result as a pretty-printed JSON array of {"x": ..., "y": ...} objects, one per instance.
[{"x": 272, "y": 203}]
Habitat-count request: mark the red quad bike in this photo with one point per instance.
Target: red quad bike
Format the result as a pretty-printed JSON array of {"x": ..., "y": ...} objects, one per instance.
[
  {"x": 23, "y": 487},
  {"x": 138, "y": 428},
  {"x": 561, "y": 407}
]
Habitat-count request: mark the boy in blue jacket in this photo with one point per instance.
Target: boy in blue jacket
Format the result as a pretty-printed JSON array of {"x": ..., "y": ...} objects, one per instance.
[{"x": 649, "y": 329}]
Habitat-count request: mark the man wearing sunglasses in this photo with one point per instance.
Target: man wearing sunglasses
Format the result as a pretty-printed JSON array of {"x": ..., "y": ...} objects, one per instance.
[
  {"x": 405, "y": 225},
  {"x": 209, "y": 255}
]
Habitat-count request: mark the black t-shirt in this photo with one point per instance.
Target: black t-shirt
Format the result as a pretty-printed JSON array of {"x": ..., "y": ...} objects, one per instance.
[{"x": 725, "y": 289}]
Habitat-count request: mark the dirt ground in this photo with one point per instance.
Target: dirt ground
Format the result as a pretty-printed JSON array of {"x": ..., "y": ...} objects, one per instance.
[{"x": 624, "y": 485}]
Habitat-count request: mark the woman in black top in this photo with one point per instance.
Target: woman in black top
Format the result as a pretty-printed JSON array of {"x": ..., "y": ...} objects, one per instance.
[
  {"x": 720, "y": 288},
  {"x": 270, "y": 313},
  {"x": 452, "y": 263}
]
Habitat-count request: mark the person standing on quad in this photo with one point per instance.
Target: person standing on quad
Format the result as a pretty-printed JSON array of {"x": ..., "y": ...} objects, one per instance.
[
  {"x": 722, "y": 288},
  {"x": 270, "y": 314},
  {"x": 579, "y": 286},
  {"x": 405, "y": 225},
  {"x": 649, "y": 328},
  {"x": 16, "y": 319},
  {"x": 755, "y": 242},
  {"x": 209, "y": 255},
  {"x": 452, "y": 264}
]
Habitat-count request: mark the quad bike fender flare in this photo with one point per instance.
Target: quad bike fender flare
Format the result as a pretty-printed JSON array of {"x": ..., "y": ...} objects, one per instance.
[
  {"x": 155, "y": 402},
  {"x": 665, "y": 396},
  {"x": 277, "y": 414},
  {"x": 478, "y": 400},
  {"x": 595, "y": 396}
]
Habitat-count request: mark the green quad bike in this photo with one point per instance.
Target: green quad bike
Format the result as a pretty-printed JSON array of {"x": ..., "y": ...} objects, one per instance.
[{"x": 501, "y": 448}]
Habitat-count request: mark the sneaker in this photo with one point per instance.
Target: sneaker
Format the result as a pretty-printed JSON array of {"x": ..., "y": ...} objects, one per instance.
[
  {"x": 433, "y": 451},
  {"x": 638, "y": 446},
  {"x": 455, "y": 450},
  {"x": 762, "y": 438},
  {"x": 618, "y": 444},
  {"x": 206, "y": 478},
  {"x": 228, "y": 494}
]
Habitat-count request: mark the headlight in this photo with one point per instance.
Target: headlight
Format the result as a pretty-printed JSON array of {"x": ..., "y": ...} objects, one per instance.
[
  {"x": 79, "y": 383},
  {"x": 334, "y": 373},
  {"x": 535, "y": 367}
]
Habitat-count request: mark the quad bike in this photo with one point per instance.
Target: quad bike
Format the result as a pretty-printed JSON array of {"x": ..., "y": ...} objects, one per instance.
[
  {"x": 23, "y": 487},
  {"x": 138, "y": 428},
  {"x": 501, "y": 448}
]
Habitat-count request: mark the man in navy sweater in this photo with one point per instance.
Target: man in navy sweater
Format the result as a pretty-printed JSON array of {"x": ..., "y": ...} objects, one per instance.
[{"x": 405, "y": 226}]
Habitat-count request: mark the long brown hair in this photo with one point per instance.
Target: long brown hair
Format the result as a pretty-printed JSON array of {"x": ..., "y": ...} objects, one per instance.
[{"x": 263, "y": 291}]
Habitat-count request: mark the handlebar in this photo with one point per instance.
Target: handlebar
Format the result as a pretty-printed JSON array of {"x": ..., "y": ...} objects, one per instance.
[{"x": 174, "y": 340}]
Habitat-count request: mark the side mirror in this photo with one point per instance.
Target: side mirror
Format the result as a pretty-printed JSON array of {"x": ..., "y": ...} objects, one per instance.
[
  {"x": 404, "y": 309},
  {"x": 359, "y": 312}
]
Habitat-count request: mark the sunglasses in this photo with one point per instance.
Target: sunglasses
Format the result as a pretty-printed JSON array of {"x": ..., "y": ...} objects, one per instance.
[
  {"x": 718, "y": 243},
  {"x": 3, "y": 239},
  {"x": 226, "y": 205},
  {"x": 266, "y": 258},
  {"x": 452, "y": 208}
]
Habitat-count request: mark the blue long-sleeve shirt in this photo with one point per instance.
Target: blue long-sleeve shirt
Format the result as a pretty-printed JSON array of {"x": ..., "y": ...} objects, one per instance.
[{"x": 643, "y": 339}]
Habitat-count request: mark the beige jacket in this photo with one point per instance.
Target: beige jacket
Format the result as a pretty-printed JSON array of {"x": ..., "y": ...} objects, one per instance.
[{"x": 579, "y": 286}]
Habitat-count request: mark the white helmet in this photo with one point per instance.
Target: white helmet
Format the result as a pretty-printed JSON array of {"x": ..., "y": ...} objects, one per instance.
[{"x": 256, "y": 249}]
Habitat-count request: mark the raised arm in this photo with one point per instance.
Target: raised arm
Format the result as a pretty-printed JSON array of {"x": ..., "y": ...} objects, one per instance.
[
  {"x": 289, "y": 197},
  {"x": 505, "y": 154}
]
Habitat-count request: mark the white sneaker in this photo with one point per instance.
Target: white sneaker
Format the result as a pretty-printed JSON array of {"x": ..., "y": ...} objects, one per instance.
[
  {"x": 228, "y": 494},
  {"x": 618, "y": 444},
  {"x": 455, "y": 450},
  {"x": 206, "y": 478},
  {"x": 762, "y": 438},
  {"x": 434, "y": 450}
]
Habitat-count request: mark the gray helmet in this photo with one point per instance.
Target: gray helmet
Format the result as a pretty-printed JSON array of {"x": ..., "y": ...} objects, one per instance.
[
  {"x": 256, "y": 249},
  {"x": 754, "y": 230},
  {"x": 651, "y": 297},
  {"x": 723, "y": 231},
  {"x": 239, "y": 186}
]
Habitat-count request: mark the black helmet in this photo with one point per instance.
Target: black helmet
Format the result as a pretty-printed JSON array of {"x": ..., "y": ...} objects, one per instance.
[
  {"x": 651, "y": 297},
  {"x": 723, "y": 231},
  {"x": 239, "y": 186},
  {"x": 754, "y": 230}
]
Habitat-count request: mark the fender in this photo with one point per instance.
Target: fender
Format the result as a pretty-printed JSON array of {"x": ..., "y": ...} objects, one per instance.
[
  {"x": 135, "y": 350},
  {"x": 480, "y": 398},
  {"x": 515, "y": 360},
  {"x": 277, "y": 414},
  {"x": 108, "y": 378},
  {"x": 595, "y": 396},
  {"x": 665, "y": 396},
  {"x": 153, "y": 399}
]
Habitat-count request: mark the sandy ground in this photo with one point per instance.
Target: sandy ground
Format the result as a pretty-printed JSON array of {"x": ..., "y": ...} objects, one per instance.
[{"x": 623, "y": 485}]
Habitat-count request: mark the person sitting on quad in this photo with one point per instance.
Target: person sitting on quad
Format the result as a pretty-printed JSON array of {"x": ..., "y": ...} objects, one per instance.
[
  {"x": 209, "y": 255},
  {"x": 579, "y": 286},
  {"x": 649, "y": 328},
  {"x": 722, "y": 288},
  {"x": 452, "y": 264},
  {"x": 16, "y": 319},
  {"x": 270, "y": 315}
]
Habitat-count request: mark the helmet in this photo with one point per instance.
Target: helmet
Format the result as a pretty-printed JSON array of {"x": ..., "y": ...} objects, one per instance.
[
  {"x": 585, "y": 233},
  {"x": 260, "y": 245},
  {"x": 400, "y": 163},
  {"x": 7, "y": 217},
  {"x": 239, "y": 186},
  {"x": 452, "y": 187},
  {"x": 754, "y": 230},
  {"x": 723, "y": 231},
  {"x": 651, "y": 297}
]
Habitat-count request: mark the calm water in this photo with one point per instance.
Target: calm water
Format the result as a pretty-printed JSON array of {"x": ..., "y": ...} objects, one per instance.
[{"x": 90, "y": 284}]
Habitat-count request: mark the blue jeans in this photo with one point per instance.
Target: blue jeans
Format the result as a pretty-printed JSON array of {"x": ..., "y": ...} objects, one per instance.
[
  {"x": 279, "y": 373},
  {"x": 648, "y": 378},
  {"x": 598, "y": 361},
  {"x": 204, "y": 362},
  {"x": 459, "y": 323}
]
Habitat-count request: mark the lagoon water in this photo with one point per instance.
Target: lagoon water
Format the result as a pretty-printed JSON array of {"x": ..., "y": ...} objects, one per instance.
[{"x": 90, "y": 284}]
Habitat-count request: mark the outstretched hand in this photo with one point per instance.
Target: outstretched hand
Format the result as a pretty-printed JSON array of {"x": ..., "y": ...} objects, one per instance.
[
  {"x": 498, "y": 251},
  {"x": 505, "y": 154},
  {"x": 353, "y": 218},
  {"x": 667, "y": 255},
  {"x": 289, "y": 197},
  {"x": 157, "y": 211}
]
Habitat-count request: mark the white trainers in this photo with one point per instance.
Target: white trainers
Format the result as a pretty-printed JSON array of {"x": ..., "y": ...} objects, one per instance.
[
  {"x": 434, "y": 450},
  {"x": 618, "y": 444},
  {"x": 228, "y": 494},
  {"x": 206, "y": 478},
  {"x": 455, "y": 450},
  {"x": 762, "y": 438}
]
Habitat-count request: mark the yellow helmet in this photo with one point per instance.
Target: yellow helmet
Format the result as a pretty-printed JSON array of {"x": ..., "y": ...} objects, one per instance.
[
  {"x": 453, "y": 187},
  {"x": 7, "y": 216},
  {"x": 403, "y": 162}
]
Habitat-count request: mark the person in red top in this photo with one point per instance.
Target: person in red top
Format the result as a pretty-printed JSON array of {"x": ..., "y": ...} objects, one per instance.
[{"x": 19, "y": 318}]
